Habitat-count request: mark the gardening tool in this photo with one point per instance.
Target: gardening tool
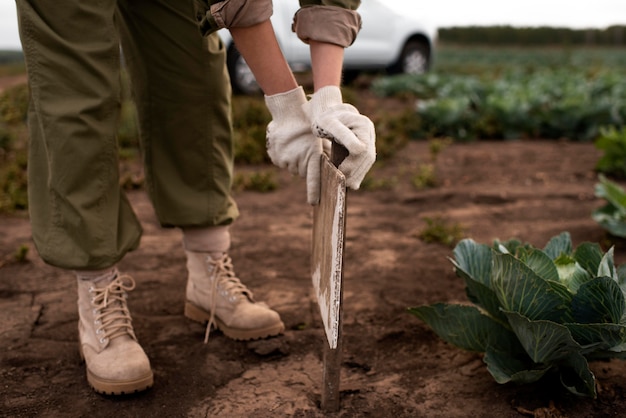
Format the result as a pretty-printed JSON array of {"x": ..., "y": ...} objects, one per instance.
[{"x": 329, "y": 223}]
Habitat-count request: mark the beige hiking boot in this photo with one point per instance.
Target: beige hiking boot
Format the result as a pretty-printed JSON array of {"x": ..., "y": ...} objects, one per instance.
[
  {"x": 215, "y": 295},
  {"x": 116, "y": 363}
]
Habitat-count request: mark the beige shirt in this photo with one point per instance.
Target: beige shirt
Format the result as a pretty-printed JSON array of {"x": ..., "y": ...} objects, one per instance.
[{"x": 331, "y": 21}]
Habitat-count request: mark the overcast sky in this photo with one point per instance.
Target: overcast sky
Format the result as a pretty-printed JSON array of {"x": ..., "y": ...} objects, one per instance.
[{"x": 565, "y": 13}]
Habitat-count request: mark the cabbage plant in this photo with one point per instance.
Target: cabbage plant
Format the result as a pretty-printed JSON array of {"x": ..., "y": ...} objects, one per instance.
[
  {"x": 611, "y": 216},
  {"x": 534, "y": 312}
]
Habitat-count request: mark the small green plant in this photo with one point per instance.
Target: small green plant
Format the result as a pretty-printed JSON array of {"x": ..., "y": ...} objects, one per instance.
[
  {"x": 442, "y": 231},
  {"x": 14, "y": 104},
  {"x": 611, "y": 216},
  {"x": 425, "y": 177},
  {"x": 536, "y": 312},
  {"x": 373, "y": 182},
  {"x": 393, "y": 131},
  {"x": 13, "y": 183},
  {"x": 613, "y": 142},
  {"x": 20, "y": 256},
  {"x": 13, "y": 149},
  {"x": 262, "y": 181},
  {"x": 6, "y": 138},
  {"x": 250, "y": 119},
  {"x": 437, "y": 145}
]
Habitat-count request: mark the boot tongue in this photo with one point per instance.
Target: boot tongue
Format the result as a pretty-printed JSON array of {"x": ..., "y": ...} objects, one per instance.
[
  {"x": 102, "y": 278},
  {"x": 218, "y": 255}
]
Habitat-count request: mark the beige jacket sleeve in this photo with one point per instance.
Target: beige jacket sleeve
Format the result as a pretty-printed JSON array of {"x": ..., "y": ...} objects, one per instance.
[
  {"x": 331, "y": 21},
  {"x": 217, "y": 14}
]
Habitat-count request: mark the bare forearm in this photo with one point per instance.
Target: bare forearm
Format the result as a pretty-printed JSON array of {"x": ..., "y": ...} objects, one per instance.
[
  {"x": 259, "y": 47},
  {"x": 327, "y": 63}
]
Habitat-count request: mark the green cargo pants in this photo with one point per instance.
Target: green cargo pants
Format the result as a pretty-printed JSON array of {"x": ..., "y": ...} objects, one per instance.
[{"x": 80, "y": 217}]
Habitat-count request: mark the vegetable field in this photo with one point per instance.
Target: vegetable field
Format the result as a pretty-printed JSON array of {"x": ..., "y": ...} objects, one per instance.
[
  {"x": 512, "y": 93},
  {"x": 431, "y": 188}
]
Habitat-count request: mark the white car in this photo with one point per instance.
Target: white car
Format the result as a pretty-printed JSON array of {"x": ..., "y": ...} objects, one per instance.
[{"x": 387, "y": 41}]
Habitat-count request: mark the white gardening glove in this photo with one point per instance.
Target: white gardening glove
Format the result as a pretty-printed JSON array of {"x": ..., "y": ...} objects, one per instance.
[
  {"x": 290, "y": 143},
  {"x": 342, "y": 122}
]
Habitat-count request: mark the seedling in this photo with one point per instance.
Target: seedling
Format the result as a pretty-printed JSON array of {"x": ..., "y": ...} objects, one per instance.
[
  {"x": 258, "y": 181},
  {"x": 441, "y": 231}
]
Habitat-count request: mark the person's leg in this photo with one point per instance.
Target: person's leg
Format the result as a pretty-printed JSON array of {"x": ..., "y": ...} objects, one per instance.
[
  {"x": 80, "y": 218},
  {"x": 182, "y": 90}
]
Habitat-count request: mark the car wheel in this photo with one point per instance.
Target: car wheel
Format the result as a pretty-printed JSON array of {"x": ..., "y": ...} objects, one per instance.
[
  {"x": 414, "y": 59},
  {"x": 349, "y": 76},
  {"x": 241, "y": 77}
]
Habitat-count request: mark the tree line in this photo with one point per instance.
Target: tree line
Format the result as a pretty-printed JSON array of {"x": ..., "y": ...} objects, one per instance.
[
  {"x": 533, "y": 36},
  {"x": 10, "y": 56}
]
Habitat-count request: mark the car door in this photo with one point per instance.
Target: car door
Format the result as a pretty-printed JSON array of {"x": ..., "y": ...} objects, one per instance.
[
  {"x": 296, "y": 52},
  {"x": 375, "y": 45}
]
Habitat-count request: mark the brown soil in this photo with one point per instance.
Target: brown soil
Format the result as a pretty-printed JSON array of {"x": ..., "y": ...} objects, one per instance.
[
  {"x": 393, "y": 365},
  {"x": 10, "y": 81}
]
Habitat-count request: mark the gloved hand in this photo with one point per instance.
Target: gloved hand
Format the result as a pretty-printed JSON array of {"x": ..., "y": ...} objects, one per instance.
[
  {"x": 290, "y": 143},
  {"x": 342, "y": 122}
]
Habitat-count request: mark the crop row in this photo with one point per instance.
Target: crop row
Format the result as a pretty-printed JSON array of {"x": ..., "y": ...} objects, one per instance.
[{"x": 548, "y": 104}]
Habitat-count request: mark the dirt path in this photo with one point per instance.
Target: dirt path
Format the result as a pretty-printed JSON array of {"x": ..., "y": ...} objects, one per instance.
[
  {"x": 10, "y": 81},
  {"x": 393, "y": 365}
]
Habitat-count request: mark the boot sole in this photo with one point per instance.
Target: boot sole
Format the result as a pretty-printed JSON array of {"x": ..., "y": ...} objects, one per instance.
[
  {"x": 126, "y": 387},
  {"x": 200, "y": 315},
  {"x": 111, "y": 387}
]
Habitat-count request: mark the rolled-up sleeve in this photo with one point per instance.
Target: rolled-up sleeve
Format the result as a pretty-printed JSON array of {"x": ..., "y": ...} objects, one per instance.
[
  {"x": 217, "y": 14},
  {"x": 332, "y": 21}
]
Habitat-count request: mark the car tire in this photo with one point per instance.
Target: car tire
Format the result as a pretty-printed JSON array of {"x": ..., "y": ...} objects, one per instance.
[
  {"x": 349, "y": 76},
  {"x": 241, "y": 78},
  {"x": 414, "y": 59}
]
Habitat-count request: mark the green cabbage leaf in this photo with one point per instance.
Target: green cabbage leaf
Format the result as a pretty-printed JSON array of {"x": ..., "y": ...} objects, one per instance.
[
  {"x": 536, "y": 311},
  {"x": 611, "y": 216}
]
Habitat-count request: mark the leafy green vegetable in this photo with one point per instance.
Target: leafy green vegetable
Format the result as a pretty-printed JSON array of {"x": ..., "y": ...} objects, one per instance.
[
  {"x": 567, "y": 102},
  {"x": 536, "y": 311},
  {"x": 613, "y": 142},
  {"x": 611, "y": 216}
]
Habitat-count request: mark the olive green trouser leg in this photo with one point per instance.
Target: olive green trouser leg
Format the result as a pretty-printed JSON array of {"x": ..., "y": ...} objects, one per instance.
[
  {"x": 80, "y": 217},
  {"x": 182, "y": 91}
]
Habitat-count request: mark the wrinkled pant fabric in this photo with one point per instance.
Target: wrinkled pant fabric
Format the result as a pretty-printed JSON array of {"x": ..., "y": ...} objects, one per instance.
[{"x": 80, "y": 216}]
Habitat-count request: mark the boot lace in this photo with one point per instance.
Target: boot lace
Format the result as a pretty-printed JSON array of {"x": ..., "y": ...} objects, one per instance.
[
  {"x": 111, "y": 314},
  {"x": 225, "y": 284}
]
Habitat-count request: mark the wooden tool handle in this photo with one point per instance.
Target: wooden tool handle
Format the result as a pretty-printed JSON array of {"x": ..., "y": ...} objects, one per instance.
[{"x": 338, "y": 153}]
